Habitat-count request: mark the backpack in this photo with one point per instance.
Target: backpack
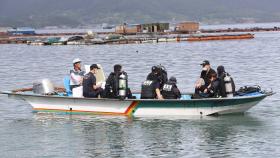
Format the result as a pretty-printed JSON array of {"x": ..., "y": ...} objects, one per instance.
[{"x": 248, "y": 89}]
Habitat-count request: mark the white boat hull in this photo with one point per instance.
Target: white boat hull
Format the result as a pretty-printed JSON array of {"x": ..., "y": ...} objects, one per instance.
[{"x": 137, "y": 107}]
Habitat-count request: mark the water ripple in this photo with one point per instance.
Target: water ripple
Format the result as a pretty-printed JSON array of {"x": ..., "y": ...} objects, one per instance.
[{"x": 250, "y": 62}]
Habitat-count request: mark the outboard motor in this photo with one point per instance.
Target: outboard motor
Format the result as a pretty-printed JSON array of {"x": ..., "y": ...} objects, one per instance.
[
  {"x": 228, "y": 85},
  {"x": 44, "y": 87},
  {"x": 122, "y": 85}
]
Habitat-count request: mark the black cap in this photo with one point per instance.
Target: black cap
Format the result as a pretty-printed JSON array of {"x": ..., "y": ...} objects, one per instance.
[
  {"x": 205, "y": 62},
  {"x": 94, "y": 66},
  {"x": 173, "y": 79}
]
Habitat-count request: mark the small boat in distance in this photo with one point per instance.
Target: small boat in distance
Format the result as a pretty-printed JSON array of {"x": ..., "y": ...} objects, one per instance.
[{"x": 107, "y": 26}]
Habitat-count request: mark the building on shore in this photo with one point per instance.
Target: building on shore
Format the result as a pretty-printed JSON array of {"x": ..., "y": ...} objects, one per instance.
[
  {"x": 154, "y": 27},
  {"x": 4, "y": 31},
  {"x": 141, "y": 28},
  {"x": 187, "y": 27},
  {"x": 128, "y": 28}
]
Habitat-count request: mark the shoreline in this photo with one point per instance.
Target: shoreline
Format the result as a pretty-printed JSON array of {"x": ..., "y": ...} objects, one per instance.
[{"x": 202, "y": 35}]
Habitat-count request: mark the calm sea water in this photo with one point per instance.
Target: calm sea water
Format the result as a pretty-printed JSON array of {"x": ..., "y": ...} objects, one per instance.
[{"x": 255, "y": 134}]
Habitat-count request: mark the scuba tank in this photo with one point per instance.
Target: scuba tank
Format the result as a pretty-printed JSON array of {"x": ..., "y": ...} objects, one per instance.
[
  {"x": 122, "y": 85},
  {"x": 228, "y": 85}
]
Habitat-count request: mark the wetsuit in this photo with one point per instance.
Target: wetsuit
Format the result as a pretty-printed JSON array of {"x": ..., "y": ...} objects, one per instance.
[{"x": 112, "y": 86}]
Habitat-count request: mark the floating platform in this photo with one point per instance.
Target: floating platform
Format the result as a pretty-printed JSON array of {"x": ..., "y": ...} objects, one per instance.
[
  {"x": 135, "y": 40},
  {"x": 220, "y": 37}
]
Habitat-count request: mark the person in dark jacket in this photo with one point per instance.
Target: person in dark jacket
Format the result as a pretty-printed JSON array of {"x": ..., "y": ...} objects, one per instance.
[
  {"x": 170, "y": 89},
  {"x": 90, "y": 88},
  {"x": 205, "y": 77},
  {"x": 221, "y": 76}
]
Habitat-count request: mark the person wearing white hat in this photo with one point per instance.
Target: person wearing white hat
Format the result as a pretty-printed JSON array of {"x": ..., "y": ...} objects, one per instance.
[{"x": 76, "y": 75}]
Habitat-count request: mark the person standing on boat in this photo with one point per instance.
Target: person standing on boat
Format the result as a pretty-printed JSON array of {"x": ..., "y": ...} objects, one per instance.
[
  {"x": 222, "y": 74},
  {"x": 90, "y": 89},
  {"x": 112, "y": 83},
  {"x": 170, "y": 89},
  {"x": 150, "y": 89},
  {"x": 76, "y": 75},
  {"x": 205, "y": 78}
]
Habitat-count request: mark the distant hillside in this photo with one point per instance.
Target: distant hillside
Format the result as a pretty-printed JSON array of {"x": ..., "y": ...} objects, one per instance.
[{"x": 38, "y": 13}]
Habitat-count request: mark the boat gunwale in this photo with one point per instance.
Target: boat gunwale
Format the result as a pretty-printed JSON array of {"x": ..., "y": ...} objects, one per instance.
[{"x": 264, "y": 94}]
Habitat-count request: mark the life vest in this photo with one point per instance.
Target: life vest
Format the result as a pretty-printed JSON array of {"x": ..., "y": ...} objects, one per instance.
[
  {"x": 76, "y": 77},
  {"x": 148, "y": 90},
  {"x": 167, "y": 92}
]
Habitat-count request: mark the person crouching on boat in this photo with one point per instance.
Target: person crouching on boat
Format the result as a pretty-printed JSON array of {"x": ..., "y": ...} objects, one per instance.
[
  {"x": 225, "y": 78},
  {"x": 90, "y": 88},
  {"x": 150, "y": 88},
  {"x": 170, "y": 89},
  {"x": 112, "y": 87},
  {"x": 163, "y": 78},
  {"x": 213, "y": 89},
  {"x": 76, "y": 75},
  {"x": 204, "y": 80}
]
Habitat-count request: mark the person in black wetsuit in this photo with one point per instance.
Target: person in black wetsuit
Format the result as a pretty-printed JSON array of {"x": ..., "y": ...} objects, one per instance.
[
  {"x": 150, "y": 88},
  {"x": 112, "y": 83},
  {"x": 213, "y": 89},
  {"x": 205, "y": 77},
  {"x": 161, "y": 74},
  {"x": 170, "y": 89},
  {"x": 90, "y": 89}
]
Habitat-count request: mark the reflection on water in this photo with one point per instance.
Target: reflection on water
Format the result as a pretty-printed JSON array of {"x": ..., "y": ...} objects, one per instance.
[
  {"x": 255, "y": 134},
  {"x": 151, "y": 137}
]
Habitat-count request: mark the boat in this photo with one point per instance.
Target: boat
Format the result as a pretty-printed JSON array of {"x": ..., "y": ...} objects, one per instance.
[
  {"x": 107, "y": 26},
  {"x": 186, "y": 106},
  {"x": 51, "y": 99}
]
